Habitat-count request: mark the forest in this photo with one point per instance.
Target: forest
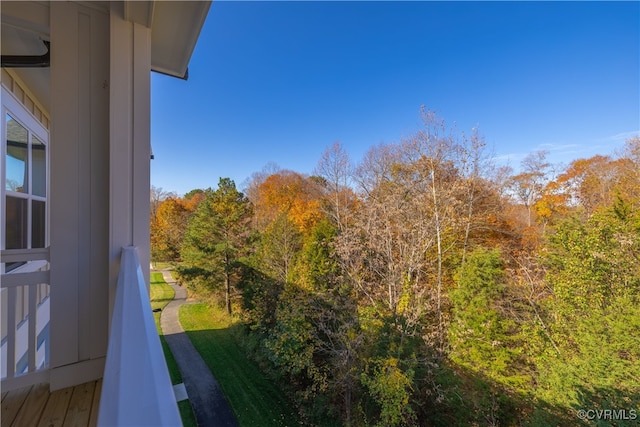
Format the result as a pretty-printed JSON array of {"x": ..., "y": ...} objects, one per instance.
[{"x": 426, "y": 286}]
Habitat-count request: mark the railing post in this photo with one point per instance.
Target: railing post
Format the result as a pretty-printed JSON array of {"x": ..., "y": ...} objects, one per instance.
[
  {"x": 136, "y": 388},
  {"x": 26, "y": 319}
]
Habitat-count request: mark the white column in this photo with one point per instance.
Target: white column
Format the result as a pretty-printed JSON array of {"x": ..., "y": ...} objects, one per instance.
[{"x": 129, "y": 142}]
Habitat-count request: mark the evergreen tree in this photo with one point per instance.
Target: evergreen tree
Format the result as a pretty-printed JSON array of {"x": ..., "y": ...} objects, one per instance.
[
  {"x": 483, "y": 340},
  {"x": 216, "y": 236},
  {"x": 594, "y": 271}
]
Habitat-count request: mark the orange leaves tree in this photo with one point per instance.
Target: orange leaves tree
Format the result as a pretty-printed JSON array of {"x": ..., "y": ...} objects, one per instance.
[
  {"x": 292, "y": 194},
  {"x": 587, "y": 185},
  {"x": 287, "y": 208},
  {"x": 168, "y": 224}
]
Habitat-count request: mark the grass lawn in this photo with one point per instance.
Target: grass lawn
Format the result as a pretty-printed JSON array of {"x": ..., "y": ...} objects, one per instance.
[
  {"x": 161, "y": 265},
  {"x": 255, "y": 400},
  {"x": 161, "y": 294}
]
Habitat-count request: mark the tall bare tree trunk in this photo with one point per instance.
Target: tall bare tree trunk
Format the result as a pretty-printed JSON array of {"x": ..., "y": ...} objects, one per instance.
[
  {"x": 347, "y": 398},
  {"x": 227, "y": 282},
  {"x": 467, "y": 229},
  {"x": 439, "y": 247}
]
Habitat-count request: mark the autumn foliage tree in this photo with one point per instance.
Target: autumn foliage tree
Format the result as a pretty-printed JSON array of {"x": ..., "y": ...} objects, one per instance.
[
  {"x": 292, "y": 194},
  {"x": 169, "y": 218},
  {"x": 423, "y": 286},
  {"x": 168, "y": 227}
]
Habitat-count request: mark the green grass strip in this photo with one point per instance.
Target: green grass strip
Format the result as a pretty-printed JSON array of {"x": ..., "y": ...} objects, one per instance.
[
  {"x": 254, "y": 399},
  {"x": 160, "y": 295},
  {"x": 161, "y": 265}
]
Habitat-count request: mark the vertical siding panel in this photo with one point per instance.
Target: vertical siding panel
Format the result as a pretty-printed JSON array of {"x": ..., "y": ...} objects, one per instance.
[
  {"x": 120, "y": 143},
  {"x": 64, "y": 203},
  {"x": 142, "y": 145},
  {"x": 84, "y": 183},
  {"x": 99, "y": 185}
]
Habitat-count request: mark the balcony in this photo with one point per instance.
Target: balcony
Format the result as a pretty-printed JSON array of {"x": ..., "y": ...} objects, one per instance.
[
  {"x": 136, "y": 386},
  {"x": 25, "y": 317}
]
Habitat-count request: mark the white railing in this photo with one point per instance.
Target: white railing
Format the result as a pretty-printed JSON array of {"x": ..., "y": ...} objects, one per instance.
[
  {"x": 136, "y": 388},
  {"x": 25, "y": 317}
]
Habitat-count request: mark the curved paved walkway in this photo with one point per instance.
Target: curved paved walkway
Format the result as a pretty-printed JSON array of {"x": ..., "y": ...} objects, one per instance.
[{"x": 208, "y": 402}]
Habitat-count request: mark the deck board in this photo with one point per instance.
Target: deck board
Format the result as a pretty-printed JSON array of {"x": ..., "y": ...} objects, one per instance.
[
  {"x": 36, "y": 406},
  {"x": 79, "y": 410},
  {"x": 56, "y": 408},
  {"x": 12, "y": 404},
  {"x": 31, "y": 410},
  {"x": 95, "y": 406}
]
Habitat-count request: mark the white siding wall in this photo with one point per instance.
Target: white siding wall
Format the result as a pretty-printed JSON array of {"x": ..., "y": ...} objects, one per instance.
[
  {"x": 79, "y": 136},
  {"x": 99, "y": 117}
]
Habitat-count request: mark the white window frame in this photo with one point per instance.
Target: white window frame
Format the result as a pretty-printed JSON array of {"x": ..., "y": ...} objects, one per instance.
[{"x": 12, "y": 106}]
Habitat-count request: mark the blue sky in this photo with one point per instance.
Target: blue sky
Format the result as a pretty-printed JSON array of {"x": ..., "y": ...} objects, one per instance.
[{"x": 280, "y": 81}]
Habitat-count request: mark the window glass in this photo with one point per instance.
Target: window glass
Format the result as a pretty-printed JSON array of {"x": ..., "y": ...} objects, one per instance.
[
  {"x": 38, "y": 167},
  {"x": 17, "y": 157},
  {"x": 24, "y": 181},
  {"x": 16, "y": 223},
  {"x": 38, "y": 219}
]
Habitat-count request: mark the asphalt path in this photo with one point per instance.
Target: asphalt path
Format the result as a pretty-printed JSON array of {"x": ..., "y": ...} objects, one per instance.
[{"x": 209, "y": 404}]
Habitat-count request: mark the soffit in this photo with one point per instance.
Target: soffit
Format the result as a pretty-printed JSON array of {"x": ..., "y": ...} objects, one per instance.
[{"x": 175, "y": 30}]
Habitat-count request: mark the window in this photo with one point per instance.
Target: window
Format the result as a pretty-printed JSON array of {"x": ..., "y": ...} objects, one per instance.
[
  {"x": 24, "y": 185},
  {"x": 24, "y": 207}
]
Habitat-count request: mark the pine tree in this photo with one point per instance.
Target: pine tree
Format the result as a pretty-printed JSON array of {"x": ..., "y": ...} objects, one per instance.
[
  {"x": 482, "y": 338},
  {"x": 216, "y": 236}
]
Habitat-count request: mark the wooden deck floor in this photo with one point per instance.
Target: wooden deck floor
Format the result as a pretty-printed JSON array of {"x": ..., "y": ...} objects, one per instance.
[{"x": 35, "y": 406}]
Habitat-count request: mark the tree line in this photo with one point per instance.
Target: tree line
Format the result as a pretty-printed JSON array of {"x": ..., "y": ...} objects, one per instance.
[{"x": 425, "y": 286}]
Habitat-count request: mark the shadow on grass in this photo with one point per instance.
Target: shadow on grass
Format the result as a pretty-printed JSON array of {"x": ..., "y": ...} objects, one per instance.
[
  {"x": 255, "y": 400},
  {"x": 471, "y": 398}
]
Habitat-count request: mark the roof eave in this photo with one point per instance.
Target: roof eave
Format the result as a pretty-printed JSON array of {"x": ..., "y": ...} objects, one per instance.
[{"x": 173, "y": 41}]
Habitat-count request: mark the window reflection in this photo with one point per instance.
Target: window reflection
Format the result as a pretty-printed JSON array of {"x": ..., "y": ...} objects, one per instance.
[
  {"x": 38, "y": 222},
  {"x": 38, "y": 167},
  {"x": 17, "y": 171}
]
